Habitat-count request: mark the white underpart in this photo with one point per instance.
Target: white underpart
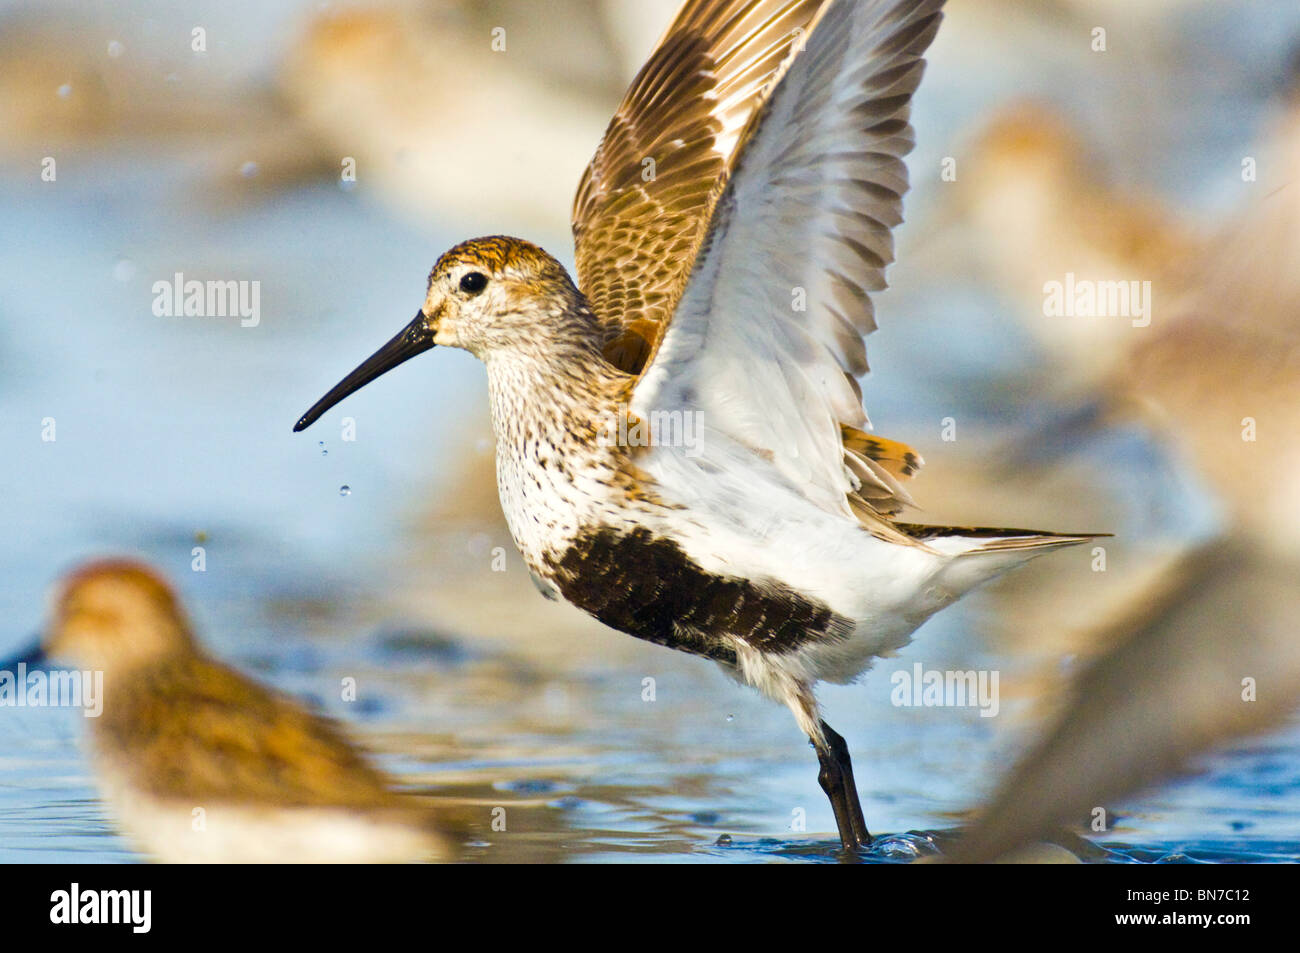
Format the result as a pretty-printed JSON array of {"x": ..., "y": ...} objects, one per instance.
[
  {"x": 745, "y": 519},
  {"x": 736, "y": 514},
  {"x": 229, "y": 833}
]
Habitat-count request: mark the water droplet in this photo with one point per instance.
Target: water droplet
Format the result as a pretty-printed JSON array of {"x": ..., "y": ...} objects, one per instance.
[
  {"x": 65, "y": 90},
  {"x": 731, "y": 718},
  {"x": 345, "y": 490},
  {"x": 724, "y": 840},
  {"x": 248, "y": 169},
  {"x": 123, "y": 270},
  {"x": 323, "y": 451},
  {"x": 115, "y": 49},
  {"x": 483, "y": 445}
]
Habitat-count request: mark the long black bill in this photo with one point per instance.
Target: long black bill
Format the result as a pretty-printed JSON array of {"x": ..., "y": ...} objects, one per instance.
[
  {"x": 415, "y": 338},
  {"x": 33, "y": 657}
]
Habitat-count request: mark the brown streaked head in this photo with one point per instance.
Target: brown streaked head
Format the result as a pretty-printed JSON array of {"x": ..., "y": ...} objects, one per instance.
[
  {"x": 483, "y": 294},
  {"x": 114, "y": 614}
]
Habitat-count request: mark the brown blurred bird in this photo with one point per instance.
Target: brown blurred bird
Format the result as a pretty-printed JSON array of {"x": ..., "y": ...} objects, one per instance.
[
  {"x": 373, "y": 85},
  {"x": 1216, "y": 660},
  {"x": 1036, "y": 209},
  {"x": 1217, "y": 375},
  {"x": 201, "y": 764},
  {"x": 1216, "y": 372}
]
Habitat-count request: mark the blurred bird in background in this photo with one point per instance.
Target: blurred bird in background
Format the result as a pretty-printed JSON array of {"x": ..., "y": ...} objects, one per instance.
[
  {"x": 1212, "y": 654},
  {"x": 201, "y": 764}
]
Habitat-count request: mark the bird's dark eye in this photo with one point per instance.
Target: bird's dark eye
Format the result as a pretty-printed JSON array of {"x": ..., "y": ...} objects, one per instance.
[{"x": 473, "y": 283}]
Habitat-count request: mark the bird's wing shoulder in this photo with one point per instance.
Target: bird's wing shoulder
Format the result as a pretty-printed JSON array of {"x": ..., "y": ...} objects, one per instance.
[{"x": 767, "y": 339}]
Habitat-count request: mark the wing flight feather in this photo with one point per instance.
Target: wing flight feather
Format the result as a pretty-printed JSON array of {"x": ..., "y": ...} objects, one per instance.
[{"x": 767, "y": 337}]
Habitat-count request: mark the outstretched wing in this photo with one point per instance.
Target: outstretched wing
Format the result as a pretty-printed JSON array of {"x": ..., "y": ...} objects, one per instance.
[
  {"x": 644, "y": 202},
  {"x": 768, "y": 335}
]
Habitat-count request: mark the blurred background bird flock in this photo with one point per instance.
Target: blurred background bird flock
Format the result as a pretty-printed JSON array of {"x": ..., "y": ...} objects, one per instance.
[{"x": 1094, "y": 322}]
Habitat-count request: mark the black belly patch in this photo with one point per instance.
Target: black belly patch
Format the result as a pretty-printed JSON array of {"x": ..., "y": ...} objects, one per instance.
[{"x": 647, "y": 586}]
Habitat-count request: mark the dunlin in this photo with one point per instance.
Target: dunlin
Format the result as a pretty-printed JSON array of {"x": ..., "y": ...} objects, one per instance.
[
  {"x": 199, "y": 763},
  {"x": 729, "y": 230},
  {"x": 1210, "y": 656}
]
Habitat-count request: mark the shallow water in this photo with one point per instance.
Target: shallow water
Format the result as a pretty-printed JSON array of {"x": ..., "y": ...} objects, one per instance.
[
  {"x": 588, "y": 772},
  {"x": 176, "y": 432}
]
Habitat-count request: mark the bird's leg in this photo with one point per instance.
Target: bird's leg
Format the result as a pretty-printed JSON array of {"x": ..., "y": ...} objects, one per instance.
[
  {"x": 836, "y": 778},
  {"x": 831, "y": 779}
]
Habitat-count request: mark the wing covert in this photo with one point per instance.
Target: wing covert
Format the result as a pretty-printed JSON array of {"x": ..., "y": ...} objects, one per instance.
[{"x": 644, "y": 201}]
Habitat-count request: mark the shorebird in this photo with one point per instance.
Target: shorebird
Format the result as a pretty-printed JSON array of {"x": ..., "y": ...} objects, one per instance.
[
  {"x": 1210, "y": 661},
  {"x": 729, "y": 230},
  {"x": 1218, "y": 357},
  {"x": 369, "y": 83},
  {"x": 1036, "y": 209},
  {"x": 1217, "y": 377},
  {"x": 199, "y": 763}
]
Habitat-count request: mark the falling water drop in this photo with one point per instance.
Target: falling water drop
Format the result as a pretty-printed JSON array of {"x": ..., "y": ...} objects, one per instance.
[
  {"x": 115, "y": 48},
  {"x": 345, "y": 490},
  {"x": 323, "y": 451},
  {"x": 65, "y": 90}
]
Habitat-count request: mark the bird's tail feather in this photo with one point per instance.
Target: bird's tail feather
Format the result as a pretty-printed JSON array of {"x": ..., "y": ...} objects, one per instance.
[
  {"x": 962, "y": 540},
  {"x": 982, "y": 553}
]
